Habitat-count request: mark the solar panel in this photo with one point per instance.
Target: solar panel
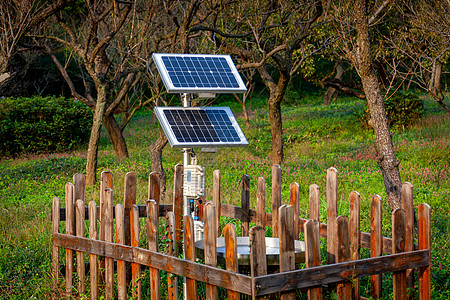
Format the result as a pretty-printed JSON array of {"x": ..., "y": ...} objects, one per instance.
[
  {"x": 189, "y": 127},
  {"x": 198, "y": 73}
]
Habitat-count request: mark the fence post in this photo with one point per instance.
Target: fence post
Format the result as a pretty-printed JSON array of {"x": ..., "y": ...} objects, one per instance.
[
  {"x": 294, "y": 201},
  {"x": 424, "y": 213},
  {"x": 80, "y": 217},
  {"x": 109, "y": 262},
  {"x": 231, "y": 254},
  {"x": 178, "y": 202},
  {"x": 398, "y": 246},
  {"x": 376, "y": 243},
  {"x": 344, "y": 289},
  {"x": 276, "y": 198},
  {"x": 245, "y": 204},
  {"x": 216, "y": 197},
  {"x": 312, "y": 253},
  {"x": 135, "y": 267},
  {"x": 172, "y": 279},
  {"x": 287, "y": 246},
  {"x": 70, "y": 231},
  {"x": 211, "y": 245},
  {"x": 152, "y": 240},
  {"x": 355, "y": 235},
  {"x": 408, "y": 206},
  {"x": 314, "y": 202},
  {"x": 121, "y": 265},
  {"x": 55, "y": 249},
  {"x": 189, "y": 254},
  {"x": 331, "y": 213},
  {"x": 261, "y": 202},
  {"x": 106, "y": 182},
  {"x": 258, "y": 263}
]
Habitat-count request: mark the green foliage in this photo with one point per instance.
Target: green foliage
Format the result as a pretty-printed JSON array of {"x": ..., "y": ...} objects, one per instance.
[
  {"x": 35, "y": 125},
  {"x": 403, "y": 109}
]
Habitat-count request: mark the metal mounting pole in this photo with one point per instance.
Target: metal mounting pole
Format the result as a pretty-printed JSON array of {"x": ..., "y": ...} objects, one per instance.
[{"x": 185, "y": 98}]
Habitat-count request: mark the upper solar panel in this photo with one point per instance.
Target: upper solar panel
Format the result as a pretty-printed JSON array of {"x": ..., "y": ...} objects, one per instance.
[
  {"x": 189, "y": 127},
  {"x": 198, "y": 73}
]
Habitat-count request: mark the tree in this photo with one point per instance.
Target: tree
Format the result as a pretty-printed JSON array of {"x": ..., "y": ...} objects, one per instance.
[
  {"x": 378, "y": 119},
  {"x": 268, "y": 36}
]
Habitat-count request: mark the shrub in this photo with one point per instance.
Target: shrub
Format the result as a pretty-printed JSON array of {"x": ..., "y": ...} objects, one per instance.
[
  {"x": 34, "y": 125},
  {"x": 403, "y": 109}
]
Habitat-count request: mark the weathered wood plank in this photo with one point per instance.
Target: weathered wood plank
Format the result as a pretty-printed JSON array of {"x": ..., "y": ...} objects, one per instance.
[
  {"x": 355, "y": 236},
  {"x": 344, "y": 289},
  {"x": 178, "y": 201},
  {"x": 55, "y": 249},
  {"x": 408, "y": 205},
  {"x": 129, "y": 199},
  {"x": 81, "y": 271},
  {"x": 106, "y": 182},
  {"x": 109, "y": 230},
  {"x": 245, "y": 204},
  {"x": 276, "y": 198},
  {"x": 332, "y": 199},
  {"x": 172, "y": 280},
  {"x": 152, "y": 243},
  {"x": 216, "y": 197},
  {"x": 312, "y": 254},
  {"x": 376, "y": 243},
  {"x": 287, "y": 248},
  {"x": 294, "y": 201},
  {"x": 154, "y": 189},
  {"x": 121, "y": 265},
  {"x": 260, "y": 202},
  {"x": 398, "y": 242},
  {"x": 314, "y": 202},
  {"x": 231, "y": 254},
  {"x": 424, "y": 213},
  {"x": 222, "y": 278},
  {"x": 189, "y": 254},
  {"x": 338, "y": 272},
  {"x": 79, "y": 183},
  {"x": 211, "y": 245},
  {"x": 258, "y": 263},
  {"x": 135, "y": 267},
  {"x": 93, "y": 259},
  {"x": 69, "y": 230}
]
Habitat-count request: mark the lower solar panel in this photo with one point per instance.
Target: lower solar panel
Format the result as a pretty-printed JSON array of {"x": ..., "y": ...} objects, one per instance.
[{"x": 192, "y": 127}]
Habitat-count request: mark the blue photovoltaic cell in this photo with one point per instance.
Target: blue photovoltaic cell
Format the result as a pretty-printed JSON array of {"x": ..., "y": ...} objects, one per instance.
[
  {"x": 201, "y": 126},
  {"x": 199, "y": 72}
]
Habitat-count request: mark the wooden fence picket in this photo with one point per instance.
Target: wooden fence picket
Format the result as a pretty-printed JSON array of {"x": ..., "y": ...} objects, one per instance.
[
  {"x": 55, "y": 249},
  {"x": 258, "y": 263},
  {"x": 424, "y": 214},
  {"x": 106, "y": 182},
  {"x": 294, "y": 190},
  {"x": 276, "y": 198},
  {"x": 355, "y": 236},
  {"x": 344, "y": 289},
  {"x": 154, "y": 189},
  {"x": 81, "y": 272},
  {"x": 210, "y": 246},
  {"x": 93, "y": 259},
  {"x": 408, "y": 206},
  {"x": 109, "y": 232},
  {"x": 332, "y": 213},
  {"x": 135, "y": 267},
  {"x": 189, "y": 254},
  {"x": 314, "y": 202},
  {"x": 231, "y": 258},
  {"x": 245, "y": 205},
  {"x": 312, "y": 254},
  {"x": 398, "y": 246},
  {"x": 178, "y": 201},
  {"x": 287, "y": 246},
  {"x": 216, "y": 197},
  {"x": 121, "y": 265},
  {"x": 172, "y": 280},
  {"x": 261, "y": 202},
  {"x": 70, "y": 231},
  {"x": 376, "y": 243},
  {"x": 152, "y": 243}
]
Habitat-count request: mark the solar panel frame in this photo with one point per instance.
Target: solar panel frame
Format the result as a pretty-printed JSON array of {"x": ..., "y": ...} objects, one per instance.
[
  {"x": 209, "y": 127},
  {"x": 198, "y": 73}
]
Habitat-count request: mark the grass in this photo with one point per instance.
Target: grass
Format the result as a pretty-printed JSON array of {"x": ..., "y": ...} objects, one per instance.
[{"x": 316, "y": 137}]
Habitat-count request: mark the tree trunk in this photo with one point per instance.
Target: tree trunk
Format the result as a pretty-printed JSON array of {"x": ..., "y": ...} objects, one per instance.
[
  {"x": 116, "y": 136},
  {"x": 331, "y": 91},
  {"x": 378, "y": 120},
  {"x": 156, "y": 158},
  {"x": 276, "y": 125},
  {"x": 92, "y": 153}
]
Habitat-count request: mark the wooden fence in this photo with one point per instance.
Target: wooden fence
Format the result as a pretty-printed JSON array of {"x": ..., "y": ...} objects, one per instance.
[{"x": 109, "y": 250}]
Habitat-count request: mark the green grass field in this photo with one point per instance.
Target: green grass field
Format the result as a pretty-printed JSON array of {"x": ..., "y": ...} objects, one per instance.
[{"x": 316, "y": 138}]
